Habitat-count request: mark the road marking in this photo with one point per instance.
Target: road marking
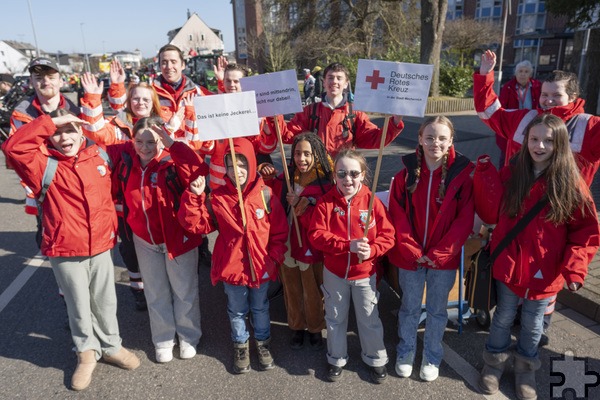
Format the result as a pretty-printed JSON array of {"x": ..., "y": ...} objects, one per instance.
[
  {"x": 20, "y": 281},
  {"x": 466, "y": 370}
]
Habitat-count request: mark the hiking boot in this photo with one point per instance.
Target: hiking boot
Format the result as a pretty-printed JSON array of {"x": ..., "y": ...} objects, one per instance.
[
  {"x": 315, "y": 340},
  {"x": 264, "y": 354},
  {"x": 140, "y": 299},
  {"x": 86, "y": 363},
  {"x": 297, "y": 340},
  {"x": 525, "y": 385},
  {"x": 489, "y": 380},
  {"x": 123, "y": 359},
  {"x": 241, "y": 358}
]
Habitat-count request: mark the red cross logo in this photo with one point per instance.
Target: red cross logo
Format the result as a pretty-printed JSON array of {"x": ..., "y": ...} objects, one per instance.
[{"x": 375, "y": 79}]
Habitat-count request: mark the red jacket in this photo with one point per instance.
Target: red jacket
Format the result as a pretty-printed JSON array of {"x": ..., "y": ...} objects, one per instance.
[
  {"x": 510, "y": 124},
  {"x": 331, "y": 130},
  {"x": 336, "y": 221},
  {"x": 307, "y": 253},
  {"x": 244, "y": 257},
  {"x": 536, "y": 264},
  {"x": 78, "y": 218},
  {"x": 429, "y": 227},
  {"x": 151, "y": 204},
  {"x": 510, "y": 99}
]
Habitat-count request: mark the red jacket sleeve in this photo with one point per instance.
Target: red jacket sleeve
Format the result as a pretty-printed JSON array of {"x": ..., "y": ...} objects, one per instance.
[
  {"x": 193, "y": 214},
  {"x": 368, "y": 135},
  {"x": 451, "y": 243},
  {"x": 583, "y": 240},
  {"x": 117, "y": 96},
  {"x": 488, "y": 191},
  {"x": 278, "y": 231},
  {"x": 26, "y": 151}
]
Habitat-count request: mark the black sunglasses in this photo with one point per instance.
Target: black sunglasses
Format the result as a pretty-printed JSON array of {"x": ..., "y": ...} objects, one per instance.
[{"x": 341, "y": 174}]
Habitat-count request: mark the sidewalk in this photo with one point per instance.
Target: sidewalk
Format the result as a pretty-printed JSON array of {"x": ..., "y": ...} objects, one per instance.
[{"x": 586, "y": 300}]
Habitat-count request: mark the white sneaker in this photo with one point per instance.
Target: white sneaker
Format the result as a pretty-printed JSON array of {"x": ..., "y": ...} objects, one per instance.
[
  {"x": 186, "y": 352},
  {"x": 164, "y": 355},
  {"x": 404, "y": 366},
  {"x": 429, "y": 372}
]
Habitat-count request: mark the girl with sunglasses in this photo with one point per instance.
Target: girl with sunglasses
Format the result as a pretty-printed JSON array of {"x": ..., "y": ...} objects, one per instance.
[
  {"x": 431, "y": 206},
  {"x": 337, "y": 229}
]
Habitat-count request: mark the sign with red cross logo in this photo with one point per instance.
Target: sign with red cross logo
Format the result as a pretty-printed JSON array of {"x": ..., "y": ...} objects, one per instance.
[{"x": 392, "y": 88}]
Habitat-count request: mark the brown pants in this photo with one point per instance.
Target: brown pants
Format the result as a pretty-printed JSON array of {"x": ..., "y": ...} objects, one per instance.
[{"x": 303, "y": 297}]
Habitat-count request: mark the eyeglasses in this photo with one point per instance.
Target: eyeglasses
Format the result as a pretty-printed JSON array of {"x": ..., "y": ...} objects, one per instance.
[
  {"x": 138, "y": 100},
  {"x": 431, "y": 140},
  {"x": 341, "y": 174}
]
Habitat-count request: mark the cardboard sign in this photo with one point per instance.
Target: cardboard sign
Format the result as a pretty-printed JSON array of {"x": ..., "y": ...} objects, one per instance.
[
  {"x": 392, "y": 88},
  {"x": 276, "y": 93},
  {"x": 229, "y": 115}
]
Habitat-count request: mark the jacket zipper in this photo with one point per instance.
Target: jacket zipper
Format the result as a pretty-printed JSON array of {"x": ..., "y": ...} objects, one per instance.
[
  {"x": 144, "y": 206},
  {"x": 427, "y": 209},
  {"x": 348, "y": 229}
]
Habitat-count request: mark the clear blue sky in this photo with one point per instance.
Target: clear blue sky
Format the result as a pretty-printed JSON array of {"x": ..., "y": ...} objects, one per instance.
[{"x": 108, "y": 25}]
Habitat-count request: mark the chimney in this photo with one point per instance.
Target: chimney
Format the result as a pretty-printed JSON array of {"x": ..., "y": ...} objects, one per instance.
[{"x": 188, "y": 13}]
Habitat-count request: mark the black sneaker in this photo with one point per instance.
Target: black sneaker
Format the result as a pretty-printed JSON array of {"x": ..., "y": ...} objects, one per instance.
[
  {"x": 334, "y": 373},
  {"x": 544, "y": 340},
  {"x": 378, "y": 374},
  {"x": 140, "y": 299},
  {"x": 315, "y": 340},
  {"x": 297, "y": 340}
]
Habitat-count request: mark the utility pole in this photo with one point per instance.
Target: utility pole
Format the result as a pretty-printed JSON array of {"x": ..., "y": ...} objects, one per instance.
[{"x": 87, "y": 60}]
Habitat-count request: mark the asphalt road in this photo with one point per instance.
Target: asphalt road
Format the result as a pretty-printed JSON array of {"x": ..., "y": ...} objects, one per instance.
[{"x": 37, "y": 362}]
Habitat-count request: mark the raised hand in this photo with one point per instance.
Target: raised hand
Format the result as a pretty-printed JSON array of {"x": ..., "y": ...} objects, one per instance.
[
  {"x": 197, "y": 185},
  {"x": 90, "y": 84},
  {"x": 163, "y": 134},
  {"x": 67, "y": 119},
  {"x": 488, "y": 61},
  {"x": 117, "y": 73},
  {"x": 219, "y": 67}
]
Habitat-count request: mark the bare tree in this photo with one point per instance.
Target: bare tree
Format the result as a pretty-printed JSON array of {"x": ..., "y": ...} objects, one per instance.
[
  {"x": 433, "y": 16},
  {"x": 465, "y": 35}
]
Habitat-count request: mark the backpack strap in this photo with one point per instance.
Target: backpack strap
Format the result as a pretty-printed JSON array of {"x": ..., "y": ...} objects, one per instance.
[
  {"x": 314, "y": 119},
  {"x": 104, "y": 155},
  {"x": 523, "y": 222},
  {"x": 266, "y": 198},
  {"x": 348, "y": 124},
  {"x": 49, "y": 172}
]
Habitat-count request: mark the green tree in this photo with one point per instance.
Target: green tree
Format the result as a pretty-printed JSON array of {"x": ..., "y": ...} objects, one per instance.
[{"x": 581, "y": 13}]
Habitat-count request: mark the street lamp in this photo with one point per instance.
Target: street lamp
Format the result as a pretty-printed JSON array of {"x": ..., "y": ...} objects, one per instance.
[
  {"x": 85, "y": 54},
  {"x": 506, "y": 10}
]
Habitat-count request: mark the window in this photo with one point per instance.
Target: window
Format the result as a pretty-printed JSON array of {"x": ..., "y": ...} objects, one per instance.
[
  {"x": 455, "y": 9},
  {"x": 531, "y": 16},
  {"x": 191, "y": 38},
  {"x": 202, "y": 38},
  {"x": 489, "y": 10}
]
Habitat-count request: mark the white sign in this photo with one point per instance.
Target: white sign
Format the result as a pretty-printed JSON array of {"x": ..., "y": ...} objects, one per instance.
[
  {"x": 392, "y": 88},
  {"x": 228, "y": 115},
  {"x": 276, "y": 93}
]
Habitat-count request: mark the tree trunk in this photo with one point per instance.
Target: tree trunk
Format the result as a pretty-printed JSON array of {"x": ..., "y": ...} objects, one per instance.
[{"x": 433, "y": 17}]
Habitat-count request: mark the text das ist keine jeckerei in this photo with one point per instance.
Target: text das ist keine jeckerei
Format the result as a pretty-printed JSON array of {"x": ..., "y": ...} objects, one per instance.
[{"x": 224, "y": 114}]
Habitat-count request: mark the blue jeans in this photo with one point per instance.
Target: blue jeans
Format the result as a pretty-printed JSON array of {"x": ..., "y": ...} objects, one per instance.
[
  {"x": 532, "y": 323},
  {"x": 412, "y": 283},
  {"x": 240, "y": 300}
]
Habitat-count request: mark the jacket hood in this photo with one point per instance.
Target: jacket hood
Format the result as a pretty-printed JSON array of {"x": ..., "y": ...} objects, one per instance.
[
  {"x": 244, "y": 147},
  {"x": 567, "y": 112}
]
